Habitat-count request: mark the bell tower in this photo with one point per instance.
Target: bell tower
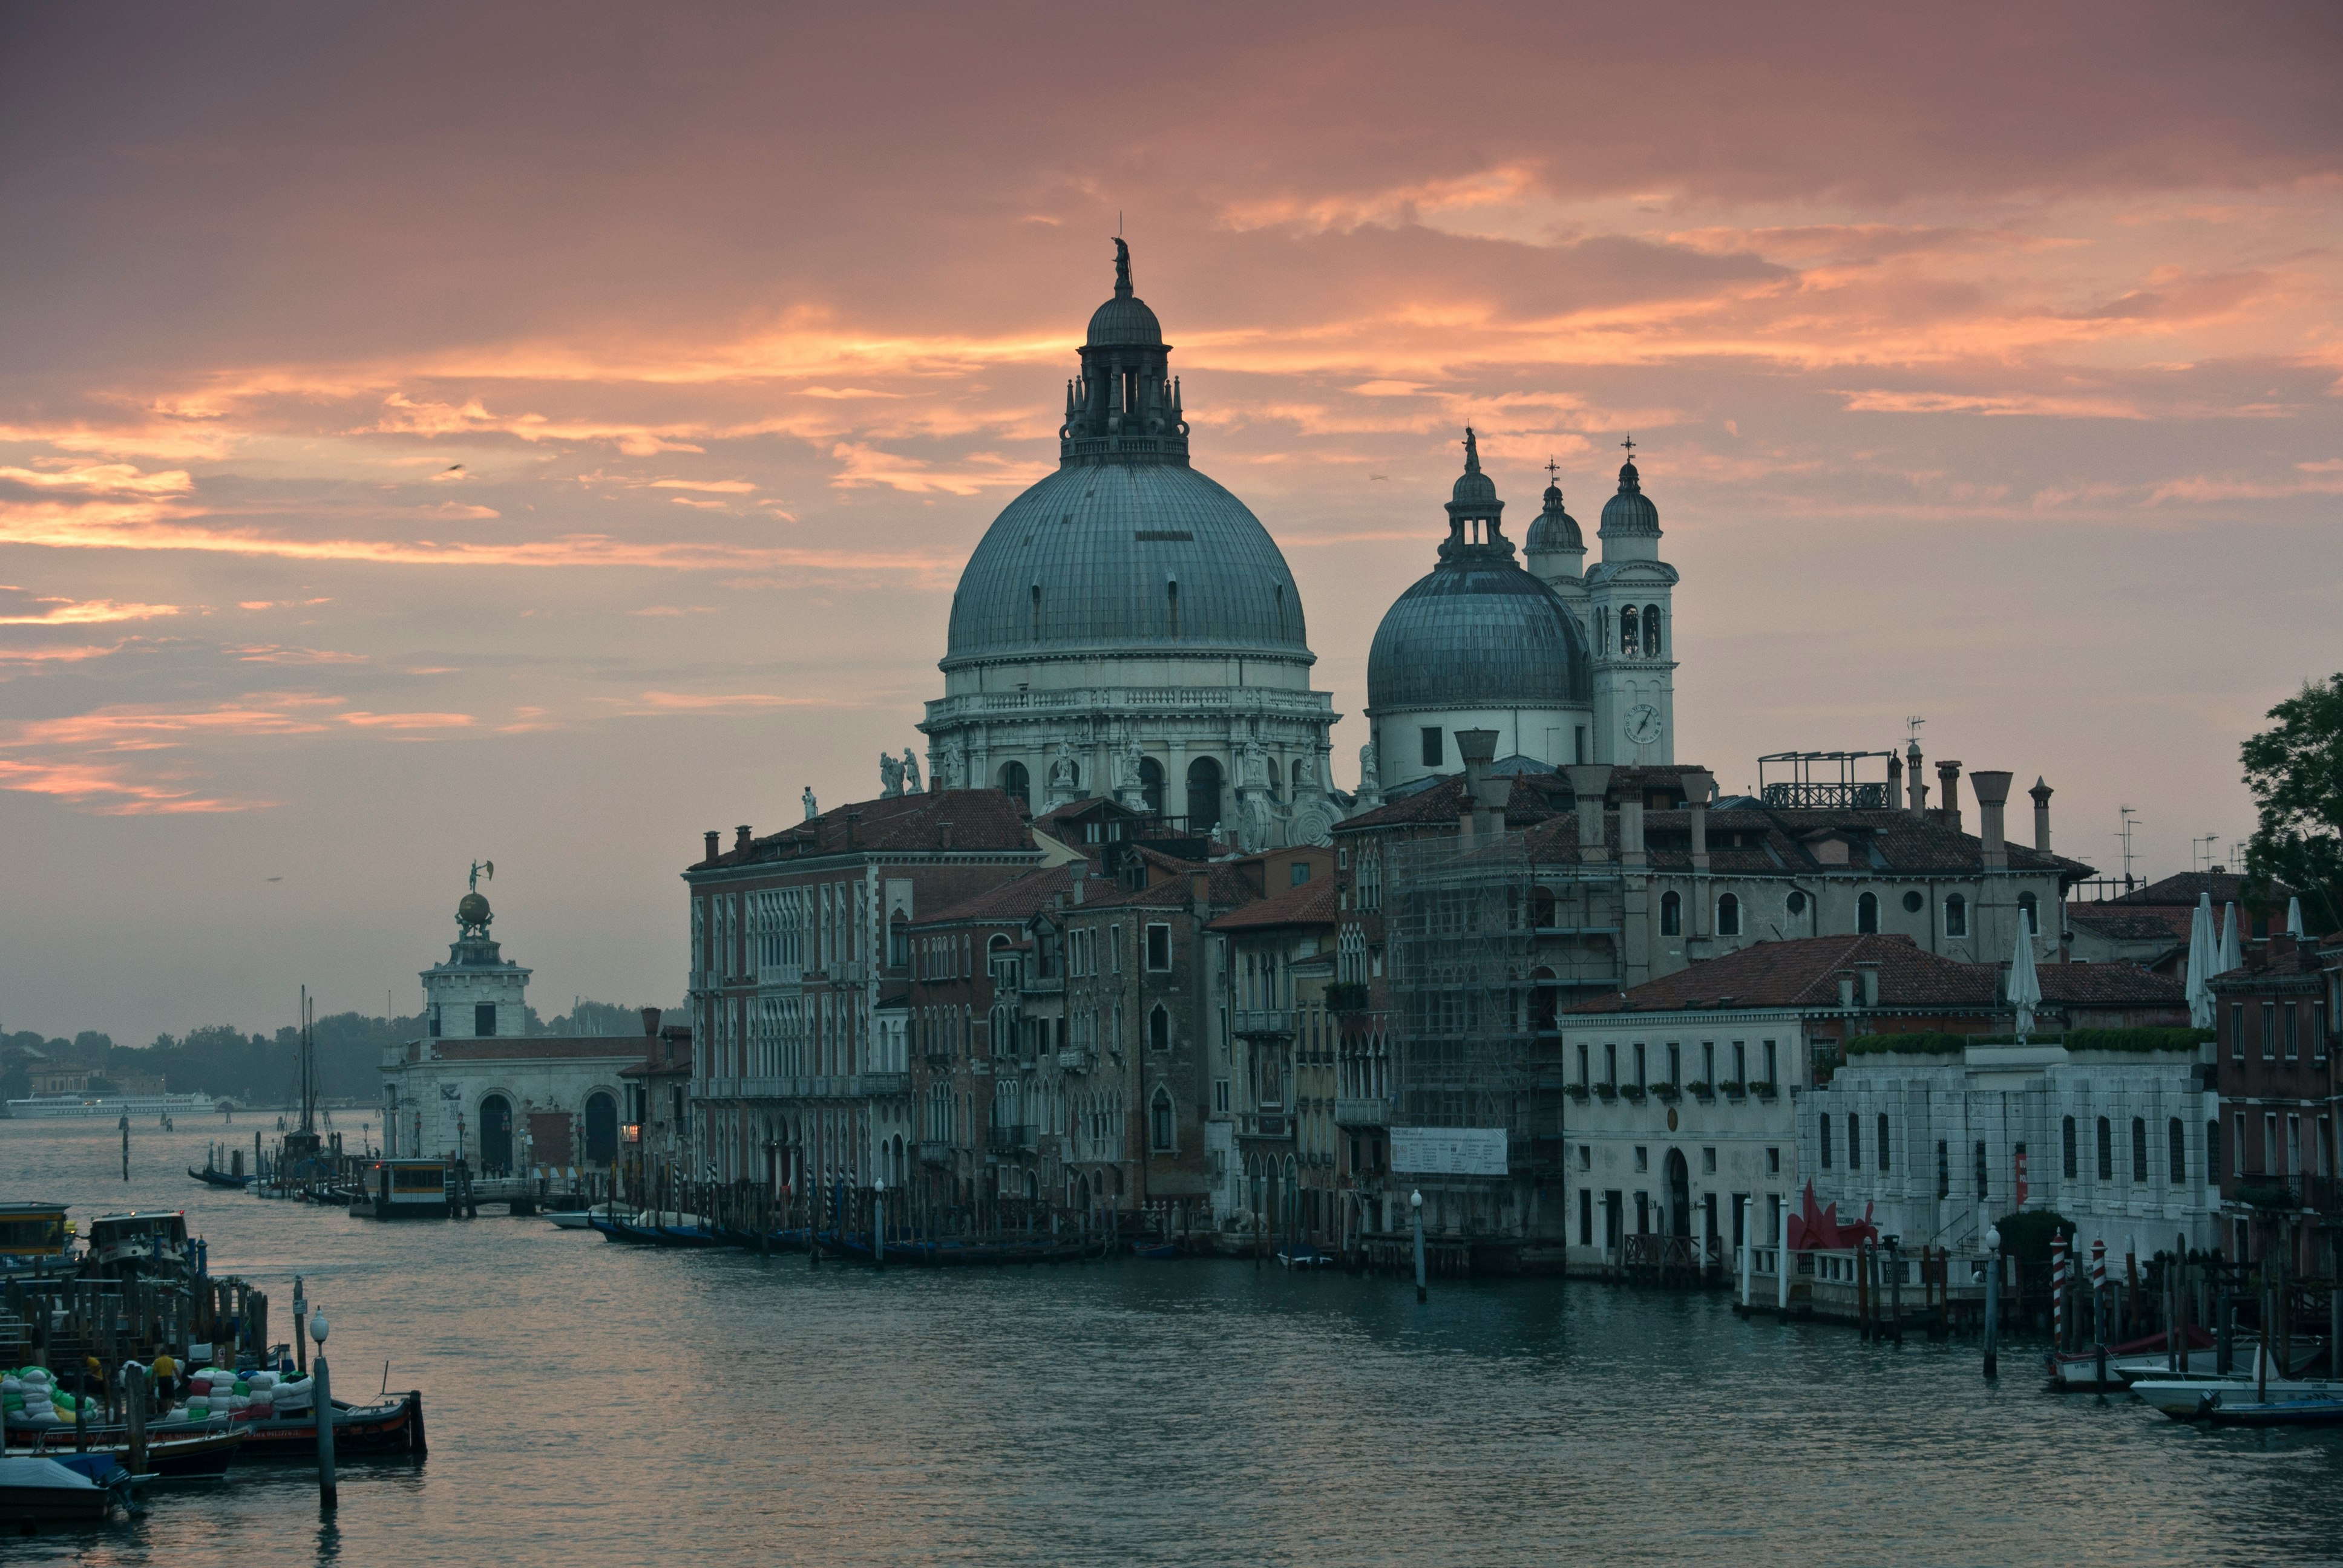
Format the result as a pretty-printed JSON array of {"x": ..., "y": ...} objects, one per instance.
[{"x": 1630, "y": 600}]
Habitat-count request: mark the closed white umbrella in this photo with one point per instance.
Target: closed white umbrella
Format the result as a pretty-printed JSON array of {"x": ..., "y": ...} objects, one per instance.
[
  {"x": 2025, "y": 985},
  {"x": 2294, "y": 919},
  {"x": 2203, "y": 953},
  {"x": 2228, "y": 958}
]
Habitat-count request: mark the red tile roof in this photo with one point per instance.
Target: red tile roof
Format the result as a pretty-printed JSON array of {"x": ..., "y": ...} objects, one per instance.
[
  {"x": 2183, "y": 887},
  {"x": 979, "y": 819},
  {"x": 1804, "y": 973},
  {"x": 1016, "y": 900},
  {"x": 2117, "y": 923},
  {"x": 1315, "y": 902}
]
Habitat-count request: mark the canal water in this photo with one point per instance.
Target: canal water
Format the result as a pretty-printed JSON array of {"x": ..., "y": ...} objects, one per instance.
[{"x": 592, "y": 1404}]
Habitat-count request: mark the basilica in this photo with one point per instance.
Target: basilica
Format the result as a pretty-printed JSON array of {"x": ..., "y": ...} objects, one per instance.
[{"x": 1128, "y": 629}]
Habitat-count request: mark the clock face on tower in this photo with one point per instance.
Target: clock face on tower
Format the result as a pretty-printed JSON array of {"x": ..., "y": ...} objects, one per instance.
[{"x": 1643, "y": 724}]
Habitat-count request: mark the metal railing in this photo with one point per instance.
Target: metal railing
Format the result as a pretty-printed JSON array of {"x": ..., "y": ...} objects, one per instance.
[
  {"x": 1265, "y": 1021},
  {"x": 1009, "y": 1139},
  {"x": 1369, "y": 1112}
]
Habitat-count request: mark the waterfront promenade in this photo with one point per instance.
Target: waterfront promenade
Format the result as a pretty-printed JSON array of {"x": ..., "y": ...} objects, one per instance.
[{"x": 600, "y": 1404}]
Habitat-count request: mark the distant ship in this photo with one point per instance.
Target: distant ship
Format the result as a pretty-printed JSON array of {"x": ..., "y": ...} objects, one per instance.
[{"x": 110, "y": 1105}]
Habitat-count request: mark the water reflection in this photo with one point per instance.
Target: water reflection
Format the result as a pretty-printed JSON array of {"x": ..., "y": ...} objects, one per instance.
[{"x": 592, "y": 1404}]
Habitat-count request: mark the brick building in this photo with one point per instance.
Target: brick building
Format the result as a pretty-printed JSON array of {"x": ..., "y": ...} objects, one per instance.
[{"x": 2281, "y": 1089}]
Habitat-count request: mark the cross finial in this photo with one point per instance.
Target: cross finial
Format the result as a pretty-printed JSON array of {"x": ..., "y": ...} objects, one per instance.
[
  {"x": 1630, "y": 443},
  {"x": 1553, "y": 472}
]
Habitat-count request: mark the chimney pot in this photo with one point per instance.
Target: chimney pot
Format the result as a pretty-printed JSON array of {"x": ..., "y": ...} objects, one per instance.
[
  {"x": 1847, "y": 990},
  {"x": 1590, "y": 782},
  {"x": 745, "y": 836},
  {"x": 944, "y": 833},
  {"x": 650, "y": 1021},
  {"x": 1631, "y": 832},
  {"x": 1199, "y": 888},
  {"x": 1949, "y": 793},
  {"x": 2041, "y": 793},
  {"x": 1867, "y": 970},
  {"x": 712, "y": 837},
  {"x": 1913, "y": 781},
  {"x": 1699, "y": 786},
  {"x": 1992, "y": 788}
]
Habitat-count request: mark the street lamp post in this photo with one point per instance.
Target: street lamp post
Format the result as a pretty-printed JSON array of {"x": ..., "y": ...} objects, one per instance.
[
  {"x": 879, "y": 1220},
  {"x": 1415, "y": 1210},
  {"x": 322, "y": 1392},
  {"x": 1992, "y": 1299}
]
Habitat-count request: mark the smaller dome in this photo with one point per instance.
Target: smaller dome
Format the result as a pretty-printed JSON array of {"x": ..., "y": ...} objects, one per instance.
[
  {"x": 1630, "y": 511},
  {"x": 1475, "y": 495},
  {"x": 1554, "y": 529},
  {"x": 1124, "y": 321},
  {"x": 472, "y": 910}
]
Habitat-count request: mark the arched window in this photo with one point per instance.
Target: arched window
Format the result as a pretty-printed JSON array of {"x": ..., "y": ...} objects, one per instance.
[
  {"x": 1159, "y": 1029},
  {"x": 1853, "y": 1141},
  {"x": 1293, "y": 789},
  {"x": 1867, "y": 914},
  {"x": 1728, "y": 916},
  {"x": 496, "y": 1136},
  {"x": 2033, "y": 922},
  {"x": 1628, "y": 638},
  {"x": 1670, "y": 915},
  {"x": 1650, "y": 631},
  {"x": 2177, "y": 1149},
  {"x": 2071, "y": 1154},
  {"x": 1822, "y": 1131},
  {"x": 1882, "y": 1141},
  {"x": 1017, "y": 785},
  {"x": 1957, "y": 916},
  {"x": 2139, "y": 1149},
  {"x": 2107, "y": 1149},
  {"x": 1161, "y": 1124},
  {"x": 1151, "y": 784},
  {"x": 1203, "y": 795},
  {"x": 899, "y": 939},
  {"x": 1796, "y": 902}
]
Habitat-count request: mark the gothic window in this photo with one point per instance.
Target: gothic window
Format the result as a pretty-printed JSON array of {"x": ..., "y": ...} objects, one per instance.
[
  {"x": 898, "y": 941},
  {"x": 1728, "y": 916},
  {"x": 1957, "y": 916},
  {"x": 1017, "y": 784},
  {"x": 1867, "y": 914},
  {"x": 1670, "y": 915},
  {"x": 1650, "y": 631},
  {"x": 1627, "y": 635},
  {"x": 1159, "y": 1029},
  {"x": 1161, "y": 1124}
]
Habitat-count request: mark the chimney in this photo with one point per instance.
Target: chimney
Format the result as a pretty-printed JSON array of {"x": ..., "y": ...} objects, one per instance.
[
  {"x": 1949, "y": 793},
  {"x": 1895, "y": 779},
  {"x": 1590, "y": 781},
  {"x": 943, "y": 834},
  {"x": 1912, "y": 779},
  {"x": 1199, "y": 888},
  {"x": 854, "y": 830},
  {"x": 745, "y": 835},
  {"x": 1847, "y": 990},
  {"x": 1484, "y": 794},
  {"x": 1076, "y": 875},
  {"x": 712, "y": 836},
  {"x": 650, "y": 1021},
  {"x": 1698, "y": 786},
  {"x": 1992, "y": 795},
  {"x": 1867, "y": 970},
  {"x": 2041, "y": 793},
  {"x": 1631, "y": 832}
]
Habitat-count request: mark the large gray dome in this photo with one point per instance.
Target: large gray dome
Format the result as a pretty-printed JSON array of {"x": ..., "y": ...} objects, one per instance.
[
  {"x": 1143, "y": 558},
  {"x": 1478, "y": 633}
]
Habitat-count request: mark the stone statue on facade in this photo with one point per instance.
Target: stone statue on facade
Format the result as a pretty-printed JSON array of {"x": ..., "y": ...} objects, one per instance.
[
  {"x": 1064, "y": 774},
  {"x": 1130, "y": 775},
  {"x": 890, "y": 775},
  {"x": 806, "y": 798},
  {"x": 1253, "y": 767},
  {"x": 912, "y": 774},
  {"x": 1371, "y": 777},
  {"x": 951, "y": 767}
]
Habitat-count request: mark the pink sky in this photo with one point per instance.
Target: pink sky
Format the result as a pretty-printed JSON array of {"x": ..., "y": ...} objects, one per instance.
[{"x": 543, "y": 432}]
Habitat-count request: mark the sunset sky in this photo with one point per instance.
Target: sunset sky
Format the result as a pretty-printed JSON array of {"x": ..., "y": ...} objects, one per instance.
[{"x": 543, "y": 432}]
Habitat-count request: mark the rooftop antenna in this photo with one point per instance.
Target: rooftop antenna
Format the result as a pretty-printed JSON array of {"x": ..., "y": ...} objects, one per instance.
[
  {"x": 1911, "y": 722},
  {"x": 2129, "y": 818}
]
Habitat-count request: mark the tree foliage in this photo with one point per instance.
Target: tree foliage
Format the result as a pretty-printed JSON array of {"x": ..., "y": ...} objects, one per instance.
[{"x": 2294, "y": 769}]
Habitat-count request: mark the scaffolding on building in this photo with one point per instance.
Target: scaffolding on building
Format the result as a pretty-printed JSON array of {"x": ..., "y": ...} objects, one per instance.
[{"x": 1489, "y": 940}]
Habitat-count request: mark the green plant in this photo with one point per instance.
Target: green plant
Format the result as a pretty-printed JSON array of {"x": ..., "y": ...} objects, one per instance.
[
  {"x": 2026, "y": 1236},
  {"x": 1762, "y": 1089},
  {"x": 1731, "y": 1088},
  {"x": 2138, "y": 1039},
  {"x": 1916, "y": 1044},
  {"x": 1575, "y": 1091},
  {"x": 1666, "y": 1092},
  {"x": 1701, "y": 1087}
]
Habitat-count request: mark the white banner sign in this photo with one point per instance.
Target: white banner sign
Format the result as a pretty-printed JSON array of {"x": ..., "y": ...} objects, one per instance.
[{"x": 1449, "y": 1151}]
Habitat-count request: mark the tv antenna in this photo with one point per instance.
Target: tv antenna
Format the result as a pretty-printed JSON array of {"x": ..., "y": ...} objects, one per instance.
[{"x": 2129, "y": 819}]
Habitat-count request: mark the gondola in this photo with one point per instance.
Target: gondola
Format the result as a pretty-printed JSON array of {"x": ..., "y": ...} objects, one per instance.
[
  {"x": 219, "y": 1179},
  {"x": 390, "y": 1425}
]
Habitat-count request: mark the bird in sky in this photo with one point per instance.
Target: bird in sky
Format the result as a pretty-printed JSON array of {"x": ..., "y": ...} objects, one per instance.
[
  {"x": 276, "y": 878},
  {"x": 453, "y": 468}
]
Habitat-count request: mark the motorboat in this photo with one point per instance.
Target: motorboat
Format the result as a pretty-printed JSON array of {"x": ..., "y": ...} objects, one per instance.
[
  {"x": 139, "y": 1243},
  {"x": 40, "y": 1490},
  {"x": 35, "y": 1239}
]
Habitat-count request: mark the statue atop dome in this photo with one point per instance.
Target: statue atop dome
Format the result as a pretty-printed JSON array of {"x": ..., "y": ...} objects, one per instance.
[{"x": 1121, "y": 269}]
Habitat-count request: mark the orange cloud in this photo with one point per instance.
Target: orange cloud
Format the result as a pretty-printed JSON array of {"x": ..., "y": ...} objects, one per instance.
[{"x": 81, "y": 612}]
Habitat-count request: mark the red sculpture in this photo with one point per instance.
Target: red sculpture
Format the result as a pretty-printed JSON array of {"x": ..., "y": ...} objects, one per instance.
[{"x": 1815, "y": 1229}]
